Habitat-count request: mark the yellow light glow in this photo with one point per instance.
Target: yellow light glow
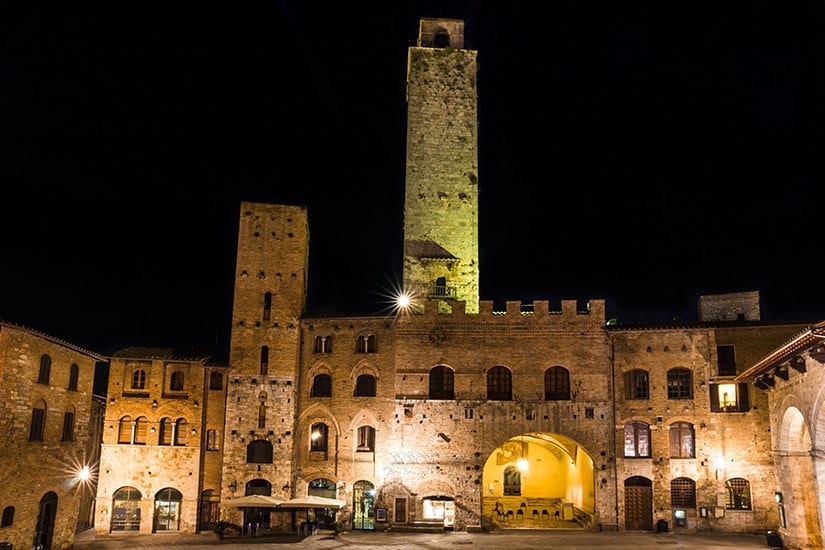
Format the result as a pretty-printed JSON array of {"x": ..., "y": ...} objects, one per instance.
[
  {"x": 522, "y": 465},
  {"x": 315, "y": 435}
]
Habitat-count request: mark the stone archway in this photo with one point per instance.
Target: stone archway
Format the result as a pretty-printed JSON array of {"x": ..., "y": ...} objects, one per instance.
[{"x": 539, "y": 481}]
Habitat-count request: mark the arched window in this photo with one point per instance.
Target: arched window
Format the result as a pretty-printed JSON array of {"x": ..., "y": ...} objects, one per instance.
[
  {"x": 264, "y": 360},
  {"x": 267, "y": 306},
  {"x": 637, "y": 440},
  {"x": 74, "y": 374},
  {"x": 365, "y": 386},
  {"x": 124, "y": 432},
  {"x": 180, "y": 432},
  {"x": 366, "y": 439},
  {"x": 679, "y": 384},
  {"x": 38, "y": 423},
  {"x": 68, "y": 425},
  {"x": 126, "y": 509},
  {"x": 322, "y": 344},
  {"x": 636, "y": 384},
  {"x": 321, "y": 386},
  {"x": 262, "y": 414},
  {"x": 8, "y": 516},
  {"x": 176, "y": 382},
  {"x": 259, "y": 452},
  {"x": 167, "y": 509},
  {"x": 499, "y": 384},
  {"x": 212, "y": 440},
  {"x": 215, "y": 380},
  {"x": 556, "y": 384},
  {"x": 318, "y": 437},
  {"x": 45, "y": 369},
  {"x": 141, "y": 430},
  {"x": 167, "y": 431},
  {"x": 442, "y": 383},
  {"x": 681, "y": 440},
  {"x": 737, "y": 494},
  {"x": 682, "y": 493},
  {"x": 512, "y": 481},
  {"x": 139, "y": 379},
  {"x": 365, "y": 343}
]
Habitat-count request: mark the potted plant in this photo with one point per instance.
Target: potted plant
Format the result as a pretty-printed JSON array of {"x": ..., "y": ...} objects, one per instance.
[
  {"x": 338, "y": 528},
  {"x": 221, "y": 528}
]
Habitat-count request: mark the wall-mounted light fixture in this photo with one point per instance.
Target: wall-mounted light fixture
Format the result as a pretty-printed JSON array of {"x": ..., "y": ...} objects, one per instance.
[
  {"x": 155, "y": 404},
  {"x": 719, "y": 465},
  {"x": 233, "y": 487},
  {"x": 285, "y": 487}
]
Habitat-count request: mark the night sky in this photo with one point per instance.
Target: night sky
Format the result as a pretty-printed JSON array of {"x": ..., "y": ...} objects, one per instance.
[{"x": 643, "y": 153}]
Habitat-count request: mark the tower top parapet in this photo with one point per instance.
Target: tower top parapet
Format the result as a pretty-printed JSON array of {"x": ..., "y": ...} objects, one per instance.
[{"x": 438, "y": 32}]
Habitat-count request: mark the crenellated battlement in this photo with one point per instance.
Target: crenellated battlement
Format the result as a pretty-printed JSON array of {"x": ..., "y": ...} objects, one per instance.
[{"x": 593, "y": 310}]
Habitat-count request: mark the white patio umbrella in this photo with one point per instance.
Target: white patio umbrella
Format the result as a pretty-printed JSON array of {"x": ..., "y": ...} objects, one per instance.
[
  {"x": 312, "y": 501},
  {"x": 253, "y": 501}
]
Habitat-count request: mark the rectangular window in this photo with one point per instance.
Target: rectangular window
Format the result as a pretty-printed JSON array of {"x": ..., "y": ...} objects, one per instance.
[
  {"x": 729, "y": 398},
  {"x": 726, "y": 360},
  {"x": 366, "y": 439},
  {"x": 468, "y": 414}
]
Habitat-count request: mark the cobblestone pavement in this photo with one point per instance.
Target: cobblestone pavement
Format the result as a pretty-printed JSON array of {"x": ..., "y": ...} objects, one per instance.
[{"x": 505, "y": 539}]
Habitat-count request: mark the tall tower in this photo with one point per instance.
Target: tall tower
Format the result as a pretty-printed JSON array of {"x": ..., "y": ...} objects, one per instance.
[
  {"x": 270, "y": 295},
  {"x": 441, "y": 197}
]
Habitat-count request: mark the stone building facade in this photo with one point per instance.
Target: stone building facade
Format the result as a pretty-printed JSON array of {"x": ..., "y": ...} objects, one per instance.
[
  {"x": 49, "y": 418},
  {"x": 449, "y": 413},
  {"x": 792, "y": 376}
]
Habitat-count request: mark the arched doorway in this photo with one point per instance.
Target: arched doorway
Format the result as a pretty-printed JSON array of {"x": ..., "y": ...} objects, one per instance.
[
  {"x": 539, "y": 481},
  {"x": 210, "y": 510},
  {"x": 44, "y": 529},
  {"x": 126, "y": 509},
  {"x": 363, "y": 506},
  {"x": 322, "y": 487},
  {"x": 257, "y": 518},
  {"x": 167, "y": 510},
  {"x": 638, "y": 504}
]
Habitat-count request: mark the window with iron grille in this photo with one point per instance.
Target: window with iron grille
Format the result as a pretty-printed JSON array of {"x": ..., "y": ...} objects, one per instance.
[
  {"x": 556, "y": 384},
  {"x": 682, "y": 493},
  {"x": 737, "y": 494}
]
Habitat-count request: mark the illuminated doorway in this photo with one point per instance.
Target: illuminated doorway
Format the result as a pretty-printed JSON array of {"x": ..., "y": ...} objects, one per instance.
[
  {"x": 126, "y": 509},
  {"x": 322, "y": 487},
  {"x": 542, "y": 480},
  {"x": 363, "y": 506},
  {"x": 167, "y": 510},
  {"x": 439, "y": 508}
]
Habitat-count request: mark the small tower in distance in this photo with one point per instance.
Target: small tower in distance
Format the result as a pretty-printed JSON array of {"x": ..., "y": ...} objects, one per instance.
[{"x": 441, "y": 185}]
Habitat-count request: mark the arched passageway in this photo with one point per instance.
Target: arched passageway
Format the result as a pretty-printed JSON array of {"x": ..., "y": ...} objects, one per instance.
[{"x": 540, "y": 481}]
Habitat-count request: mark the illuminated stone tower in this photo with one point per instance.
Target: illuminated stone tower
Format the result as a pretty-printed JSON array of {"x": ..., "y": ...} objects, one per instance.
[
  {"x": 270, "y": 295},
  {"x": 441, "y": 201}
]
